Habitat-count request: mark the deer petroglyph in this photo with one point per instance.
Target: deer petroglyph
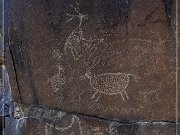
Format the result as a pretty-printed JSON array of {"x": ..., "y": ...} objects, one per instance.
[{"x": 76, "y": 41}]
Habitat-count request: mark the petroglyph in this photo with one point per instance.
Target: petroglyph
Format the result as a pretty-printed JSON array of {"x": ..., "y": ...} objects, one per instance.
[
  {"x": 77, "y": 44},
  {"x": 57, "y": 55},
  {"x": 76, "y": 41},
  {"x": 78, "y": 14},
  {"x": 74, "y": 122},
  {"x": 157, "y": 35},
  {"x": 110, "y": 83},
  {"x": 48, "y": 129},
  {"x": 86, "y": 48},
  {"x": 57, "y": 81}
]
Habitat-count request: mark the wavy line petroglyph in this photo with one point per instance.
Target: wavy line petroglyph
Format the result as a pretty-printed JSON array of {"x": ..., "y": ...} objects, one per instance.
[{"x": 110, "y": 83}]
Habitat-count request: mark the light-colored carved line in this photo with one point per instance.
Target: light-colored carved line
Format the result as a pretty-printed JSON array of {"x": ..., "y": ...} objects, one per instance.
[{"x": 74, "y": 118}]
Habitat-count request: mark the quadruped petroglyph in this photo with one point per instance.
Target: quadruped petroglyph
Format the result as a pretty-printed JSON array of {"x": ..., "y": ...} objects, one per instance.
[
  {"x": 90, "y": 50},
  {"x": 76, "y": 42},
  {"x": 110, "y": 83}
]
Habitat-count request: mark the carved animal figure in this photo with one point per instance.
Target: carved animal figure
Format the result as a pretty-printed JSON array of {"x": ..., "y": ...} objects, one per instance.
[
  {"x": 76, "y": 41},
  {"x": 110, "y": 83}
]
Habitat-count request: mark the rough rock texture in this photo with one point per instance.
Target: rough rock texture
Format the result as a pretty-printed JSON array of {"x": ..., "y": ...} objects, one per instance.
[
  {"x": 103, "y": 62},
  {"x": 178, "y": 44},
  {"x": 80, "y": 125},
  {"x": 41, "y": 121},
  {"x": 102, "y": 57}
]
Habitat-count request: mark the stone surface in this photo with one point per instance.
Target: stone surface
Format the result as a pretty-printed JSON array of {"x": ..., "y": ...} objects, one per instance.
[
  {"x": 31, "y": 120},
  {"x": 71, "y": 124},
  {"x": 5, "y": 92},
  {"x": 94, "y": 57},
  {"x": 178, "y": 61}
]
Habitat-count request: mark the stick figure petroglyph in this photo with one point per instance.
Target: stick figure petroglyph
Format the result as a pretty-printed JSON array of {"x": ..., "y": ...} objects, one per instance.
[{"x": 110, "y": 83}]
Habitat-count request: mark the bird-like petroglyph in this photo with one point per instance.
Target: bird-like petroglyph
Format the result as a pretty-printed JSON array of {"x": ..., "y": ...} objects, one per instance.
[
  {"x": 57, "y": 81},
  {"x": 110, "y": 83}
]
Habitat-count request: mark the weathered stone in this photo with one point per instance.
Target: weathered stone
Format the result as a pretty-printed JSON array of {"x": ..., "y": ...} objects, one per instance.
[
  {"x": 91, "y": 126},
  {"x": 178, "y": 60},
  {"x": 5, "y": 92},
  {"x": 99, "y": 58},
  {"x": 84, "y": 125},
  {"x": 27, "y": 126}
]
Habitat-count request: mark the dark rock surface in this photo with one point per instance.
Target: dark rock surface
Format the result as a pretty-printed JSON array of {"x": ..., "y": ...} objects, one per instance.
[
  {"x": 5, "y": 92},
  {"x": 81, "y": 57},
  {"x": 41, "y": 121},
  {"x": 70, "y": 124},
  {"x": 105, "y": 59}
]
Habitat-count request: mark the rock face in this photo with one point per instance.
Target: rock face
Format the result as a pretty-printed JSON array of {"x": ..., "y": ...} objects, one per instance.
[
  {"x": 41, "y": 121},
  {"x": 76, "y": 125},
  {"x": 110, "y": 59}
]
